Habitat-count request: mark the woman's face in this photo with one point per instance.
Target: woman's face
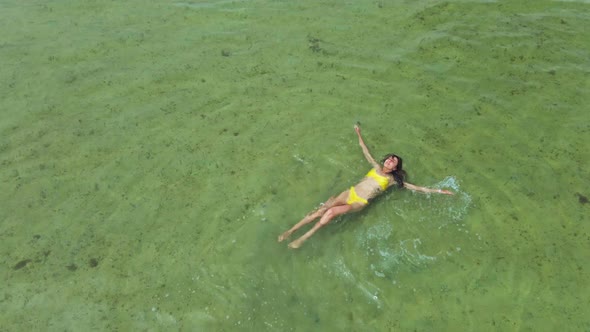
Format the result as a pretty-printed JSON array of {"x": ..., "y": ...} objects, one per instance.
[{"x": 391, "y": 163}]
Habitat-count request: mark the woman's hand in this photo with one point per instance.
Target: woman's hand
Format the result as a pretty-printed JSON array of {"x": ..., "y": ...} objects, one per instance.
[
  {"x": 446, "y": 192},
  {"x": 427, "y": 190},
  {"x": 370, "y": 159}
]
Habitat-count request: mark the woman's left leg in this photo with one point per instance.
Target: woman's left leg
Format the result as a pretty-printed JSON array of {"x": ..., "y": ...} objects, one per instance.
[
  {"x": 332, "y": 201},
  {"x": 326, "y": 218}
]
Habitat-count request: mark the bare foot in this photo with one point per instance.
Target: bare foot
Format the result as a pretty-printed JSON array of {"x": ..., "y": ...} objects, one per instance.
[
  {"x": 284, "y": 236},
  {"x": 295, "y": 244}
]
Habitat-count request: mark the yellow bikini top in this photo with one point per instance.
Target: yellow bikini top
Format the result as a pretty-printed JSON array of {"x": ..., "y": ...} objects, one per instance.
[{"x": 382, "y": 180}]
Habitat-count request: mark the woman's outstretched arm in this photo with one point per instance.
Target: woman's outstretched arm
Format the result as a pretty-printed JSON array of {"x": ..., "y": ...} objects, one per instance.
[
  {"x": 366, "y": 152},
  {"x": 427, "y": 190}
]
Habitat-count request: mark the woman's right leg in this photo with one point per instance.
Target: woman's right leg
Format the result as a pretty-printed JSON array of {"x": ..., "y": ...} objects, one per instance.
[
  {"x": 326, "y": 218},
  {"x": 332, "y": 201}
]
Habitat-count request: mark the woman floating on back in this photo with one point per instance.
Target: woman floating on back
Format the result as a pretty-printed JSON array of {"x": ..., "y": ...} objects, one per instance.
[{"x": 378, "y": 180}]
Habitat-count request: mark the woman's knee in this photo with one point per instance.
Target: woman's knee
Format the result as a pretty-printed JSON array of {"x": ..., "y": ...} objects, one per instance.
[{"x": 330, "y": 214}]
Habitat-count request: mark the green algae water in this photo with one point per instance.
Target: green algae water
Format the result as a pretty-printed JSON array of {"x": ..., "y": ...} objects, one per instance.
[{"x": 151, "y": 152}]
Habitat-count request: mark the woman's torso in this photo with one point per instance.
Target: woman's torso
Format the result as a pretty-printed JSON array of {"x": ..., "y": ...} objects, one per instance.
[{"x": 371, "y": 185}]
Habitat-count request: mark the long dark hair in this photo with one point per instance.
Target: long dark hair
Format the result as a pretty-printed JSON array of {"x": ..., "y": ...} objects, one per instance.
[{"x": 398, "y": 173}]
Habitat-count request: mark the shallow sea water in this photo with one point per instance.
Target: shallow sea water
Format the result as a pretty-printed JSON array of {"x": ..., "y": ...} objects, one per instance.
[{"x": 152, "y": 151}]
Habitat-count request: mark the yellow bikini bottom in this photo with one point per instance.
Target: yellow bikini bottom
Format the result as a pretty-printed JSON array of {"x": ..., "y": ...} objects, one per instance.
[{"x": 354, "y": 198}]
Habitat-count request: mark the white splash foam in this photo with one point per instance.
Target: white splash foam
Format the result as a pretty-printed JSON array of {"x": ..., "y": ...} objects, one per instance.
[{"x": 459, "y": 206}]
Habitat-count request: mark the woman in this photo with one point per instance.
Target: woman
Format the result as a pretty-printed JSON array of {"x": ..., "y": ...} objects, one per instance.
[{"x": 381, "y": 177}]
